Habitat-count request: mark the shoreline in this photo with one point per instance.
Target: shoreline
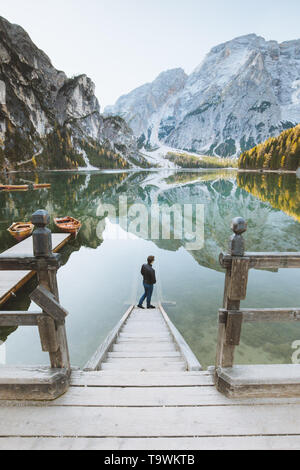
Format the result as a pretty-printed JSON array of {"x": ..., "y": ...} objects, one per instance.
[
  {"x": 283, "y": 172},
  {"x": 130, "y": 170},
  {"x": 133, "y": 170}
]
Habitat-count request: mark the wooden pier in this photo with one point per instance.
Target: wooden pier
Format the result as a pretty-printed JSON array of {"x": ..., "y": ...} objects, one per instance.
[
  {"x": 144, "y": 341},
  {"x": 127, "y": 410},
  {"x": 144, "y": 388}
]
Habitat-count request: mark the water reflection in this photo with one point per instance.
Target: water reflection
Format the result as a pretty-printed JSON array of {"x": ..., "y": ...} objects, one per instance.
[
  {"x": 101, "y": 276},
  {"x": 282, "y": 191}
]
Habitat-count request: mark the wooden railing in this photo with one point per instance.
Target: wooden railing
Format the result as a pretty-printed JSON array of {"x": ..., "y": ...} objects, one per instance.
[
  {"x": 237, "y": 264},
  {"x": 51, "y": 321}
]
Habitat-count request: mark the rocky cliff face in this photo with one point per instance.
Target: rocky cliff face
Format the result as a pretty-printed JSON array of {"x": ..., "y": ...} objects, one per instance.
[
  {"x": 244, "y": 91},
  {"x": 144, "y": 107},
  {"x": 50, "y": 121}
]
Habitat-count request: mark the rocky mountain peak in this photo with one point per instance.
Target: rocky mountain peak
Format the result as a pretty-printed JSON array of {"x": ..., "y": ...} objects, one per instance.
[
  {"x": 48, "y": 120},
  {"x": 244, "y": 91},
  {"x": 139, "y": 106}
]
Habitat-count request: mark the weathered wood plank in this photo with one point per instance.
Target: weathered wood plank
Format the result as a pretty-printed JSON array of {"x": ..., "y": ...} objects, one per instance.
[
  {"x": 233, "y": 328},
  {"x": 128, "y": 379},
  {"x": 32, "y": 383},
  {"x": 260, "y": 381},
  {"x": 95, "y": 362},
  {"x": 48, "y": 334},
  {"x": 151, "y": 326},
  {"x": 45, "y": 300},
  {"x": 8, "y": 319},
  {"x": 12, "y": 281},
  {"x": 153, "y": 320},
  {"x": 225, "y": 351},
  {"x": 144, "y": 347},
  {"x": 151, "y": 323},
  {"x": 143, "y": 360},
  {"x": 145, "y": 329},
  {"x": 144, "y": 366},
  {"x": 151, "y": 422},
  {"x": 140, "y": 354},
  {"x": 269, "y": 314},
  {"x": 26, "y": 246},
  {"x": 144, "y": 335},
  {"x": 179, "y": 443},
  {"x": 144, "y": 340},
  {"x": 262, "y": 374},
  {"x": 153, "y": 397},
  {"x": 239, "y": 279},
  {"x": 192, "y": 362},
  {"x": 28, "y": 263},
  {"x": 266, "y": 260}
]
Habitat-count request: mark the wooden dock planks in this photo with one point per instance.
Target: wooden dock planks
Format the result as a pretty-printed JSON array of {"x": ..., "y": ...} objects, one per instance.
[
  {"x": 156, "y": 411},
  {"x": 144, "y": 389},
  {"x": 141, "y": 395},
  {"x": 144, "y": 341},
  {"x": 12, "y": 281},
  {"x": 151, "y": 422},
  {"x": 178, "y": 444}
]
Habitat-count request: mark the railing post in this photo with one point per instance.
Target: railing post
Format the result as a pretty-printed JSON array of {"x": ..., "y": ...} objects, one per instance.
[
  {"x": 235, "y": 291},
  {"x": 47, "y": 277}
]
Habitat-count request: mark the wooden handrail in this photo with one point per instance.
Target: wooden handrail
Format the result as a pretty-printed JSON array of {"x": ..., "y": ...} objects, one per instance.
[
  {"x": 29, "y": 263},
  {"x": 11, "y": 319},
  {"x": 237, "y": 264},
  {"x": 251, "y": 315},
  {"x": 51, "y": 321},
  {"x": 264, "y": 260}
]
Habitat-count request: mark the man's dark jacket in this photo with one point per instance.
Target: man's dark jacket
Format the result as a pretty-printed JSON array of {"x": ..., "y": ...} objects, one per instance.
[{"x": 149, "y": 274}]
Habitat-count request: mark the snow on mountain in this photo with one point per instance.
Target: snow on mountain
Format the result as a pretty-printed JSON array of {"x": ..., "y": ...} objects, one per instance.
[
  {"x": 144, "y": 107},
  {"x": 243, "y": 92}
]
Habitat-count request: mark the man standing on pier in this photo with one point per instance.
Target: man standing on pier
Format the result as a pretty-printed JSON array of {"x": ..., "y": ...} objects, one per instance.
[{"x": 148, "y": 274}]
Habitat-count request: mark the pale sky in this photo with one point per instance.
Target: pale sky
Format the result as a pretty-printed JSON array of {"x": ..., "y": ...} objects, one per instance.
[{"x": 122, "y": 44}]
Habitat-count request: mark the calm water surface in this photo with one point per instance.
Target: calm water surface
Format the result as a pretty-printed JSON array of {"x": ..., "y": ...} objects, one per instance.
[{"x": 101, "y": 275}]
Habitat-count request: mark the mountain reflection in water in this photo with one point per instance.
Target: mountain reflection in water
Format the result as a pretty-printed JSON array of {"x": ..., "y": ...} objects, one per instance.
[{"x": 100, "y": 277}]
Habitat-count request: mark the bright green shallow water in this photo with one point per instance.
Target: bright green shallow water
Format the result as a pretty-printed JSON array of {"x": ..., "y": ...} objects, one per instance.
[{"x": 99, "y": 278}]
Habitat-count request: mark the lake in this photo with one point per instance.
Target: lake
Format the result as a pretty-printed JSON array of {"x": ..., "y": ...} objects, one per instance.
[{"x": 101, "y": 277}]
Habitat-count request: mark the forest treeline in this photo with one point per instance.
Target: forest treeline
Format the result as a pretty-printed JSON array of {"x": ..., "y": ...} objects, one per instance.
[
  {"x": 184, "y": 160},
  {"x": 277, "y": 153}
]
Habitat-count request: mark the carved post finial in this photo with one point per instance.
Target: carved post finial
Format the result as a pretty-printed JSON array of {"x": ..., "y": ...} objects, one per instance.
[
  {"x": 42, "y": 239},
  {"x": 237, "y": 243}
]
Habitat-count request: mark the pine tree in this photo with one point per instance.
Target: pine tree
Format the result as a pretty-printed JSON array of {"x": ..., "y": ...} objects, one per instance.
[{"x": 282, "y": 152}]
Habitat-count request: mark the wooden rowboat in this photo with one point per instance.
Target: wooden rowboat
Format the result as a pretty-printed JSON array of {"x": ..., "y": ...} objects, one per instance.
[
  {"x": 42, "y": 186},
  {"x": 21, "y": 230},
  {"x": 7, "y": 187},
  {"x": 68, "y": 224}
]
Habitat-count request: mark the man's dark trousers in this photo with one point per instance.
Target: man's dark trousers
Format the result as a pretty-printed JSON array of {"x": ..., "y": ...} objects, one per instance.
[{"x": 148, "y": 294}]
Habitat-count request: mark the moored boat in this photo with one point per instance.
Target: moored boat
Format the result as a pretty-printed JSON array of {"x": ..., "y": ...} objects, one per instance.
[
  {"x": 42, "y": 186},
  {"x": 9, "y": 187},
  {"x": 21, "y": 230},
  {"x": 68, "y": 224}
]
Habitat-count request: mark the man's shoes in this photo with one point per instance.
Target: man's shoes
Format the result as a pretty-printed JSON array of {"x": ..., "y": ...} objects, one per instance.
[
  {"x": 151, "y": 306},
  {"x": 140, "y": 306}
]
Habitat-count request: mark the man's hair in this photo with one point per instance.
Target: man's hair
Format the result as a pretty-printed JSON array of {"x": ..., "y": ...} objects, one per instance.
[{"x": 150, "y": 259}]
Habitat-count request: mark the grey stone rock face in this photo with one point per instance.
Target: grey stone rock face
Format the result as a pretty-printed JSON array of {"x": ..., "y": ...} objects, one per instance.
[
  {"x": 144, "y": 107},
  {"x": 48, "y": 116},
  {"x": 243, "y": 92}
]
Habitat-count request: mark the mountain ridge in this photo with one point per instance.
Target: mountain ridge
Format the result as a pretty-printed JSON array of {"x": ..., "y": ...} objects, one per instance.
[
  {"x": 244, "y": 91},
  {"x": 50, "y": 121}
]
